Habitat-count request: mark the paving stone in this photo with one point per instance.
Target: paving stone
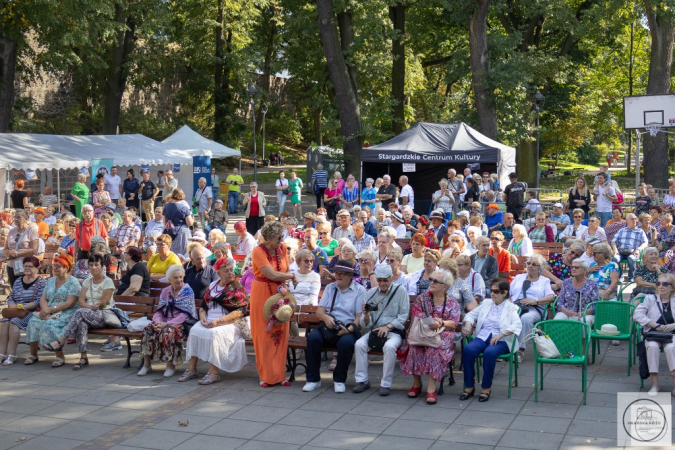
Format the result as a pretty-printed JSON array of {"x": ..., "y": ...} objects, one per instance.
[
  {"x": 108, "y": 414},
  {"x": 316, "y": 419},
  {"x": 399, "y": 443},
  {"x": 549, "y": 409},
  {"x": 537, "y": 423},
  {"x": 34, "y": 424},
  {"x": 26, "y": 405},
  {"x": 261, "y": 413},
  {"x": 242, "y": 429},
  {"x": 472, "y": 435},
  {"x": 588, "y": 443},
  {"x": 343, "y": 440},
  {"x": 9, "y": 439},
  {"x": 497, "y": 405},
  {"x": 416, "y": 429},
  {"x": 140, "y": 401},
  {"x": 213, "y": 409},
  {"x": 157, "y": 439},
  {"x": 242, "y": 396},
  {"x": 378, "y": 410},
  {"x": 7, "y": 417},
  {"x": 211, "y": 442},
  {"x": 428, "y": 413},
  {"x": 363, "y": 424},
  {"x": 471, "y": 418},
  {"x": 195, "y": 424},
  {"x": 443, "y": 445},
  {"x": 286, "y": 435},
  {"x": 331, "y": 404},
  {"x": 85, "y": 431},
  {"x": 555, "y": 396},
  {"x": 595, "y": 413},
  {"x": 98, "y": 397},
  {"x": 279, "y": 399},
  {"x": 177, "y": 390},
  {"x": 48, "y": 442},
  {"x": 530, "y": 440},
  {"x": 580, "y": 427},
  {"x": 263, "y": 445}
]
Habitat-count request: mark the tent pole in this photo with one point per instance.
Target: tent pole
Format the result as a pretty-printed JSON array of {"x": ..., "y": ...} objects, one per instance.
[{"x": 58, "y": 188}]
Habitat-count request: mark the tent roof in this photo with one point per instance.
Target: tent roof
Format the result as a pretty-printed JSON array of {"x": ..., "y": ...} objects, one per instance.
[
  {"x": 48, "y": 151},
  {"x": 436, "y": 142},
  {"x": 195, "y": 144}
]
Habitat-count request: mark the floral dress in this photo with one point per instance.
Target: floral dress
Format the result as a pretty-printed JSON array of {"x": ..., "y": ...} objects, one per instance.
[
  {"x": 462, "y": 293},
  {"x": 667, "y": 240},
  {"x": 648, "y": 276},
  {"x": 432, "y": 239},
  {"x": 602, "y": 276},
  {"x": 46, "y": 331},
  {"x": 427, "y": 360}
]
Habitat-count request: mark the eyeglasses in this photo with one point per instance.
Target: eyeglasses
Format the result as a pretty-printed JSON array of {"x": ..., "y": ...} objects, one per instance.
[
  {"x": 540, "y": 219},
  {"x": 307, "y": 261},
  {"x": 28, "y": 267},
  {"x": 456, "y": 241},
  {"x": 382, "y": 280},
  {"x": 391, "y": 260},
  {"x": 160, "y": 244},
  {"x": 578, "y": 217},
  {"x": 532, "y": 264},
  {"x": 575, "y": 267},
  {"x": 495, "y": 239},
  {"x": 435, "y": 281},
  {"x": 658, "y": 283},
  {"x": 497, "y": 291}
]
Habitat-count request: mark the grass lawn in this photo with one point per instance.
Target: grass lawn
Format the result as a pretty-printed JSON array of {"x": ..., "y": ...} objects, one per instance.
[{"x": 264, "y": 178}]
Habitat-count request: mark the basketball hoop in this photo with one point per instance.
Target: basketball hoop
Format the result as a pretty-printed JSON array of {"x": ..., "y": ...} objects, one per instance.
[{"x": 653, "y": 128}]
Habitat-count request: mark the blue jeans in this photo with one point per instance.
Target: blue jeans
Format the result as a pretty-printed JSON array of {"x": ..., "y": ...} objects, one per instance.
[
  {"x": 490, "y": 355},
  {"x": 604, "y": 217},
  {"x": 281, "y": 198},
  {"x": 232, "y": 200},
  {"x": 208, "y": 228},
  {"x": 631, "y": 263}
]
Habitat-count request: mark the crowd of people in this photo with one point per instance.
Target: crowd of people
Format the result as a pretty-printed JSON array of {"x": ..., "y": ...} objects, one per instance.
[{"x": 359, "y": 257}]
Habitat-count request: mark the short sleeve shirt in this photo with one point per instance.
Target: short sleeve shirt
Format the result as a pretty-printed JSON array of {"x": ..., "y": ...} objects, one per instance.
[
  {"x": 148, "y": 189},
  {"x": 24, "y": 239},
  {"x": 95, "y": 291},
  {"x": 389, "y": 190},
  {"x": 112, "y": 185},
  {"x": 347, "y": 304},
  {"x": 202, "y": 196}
]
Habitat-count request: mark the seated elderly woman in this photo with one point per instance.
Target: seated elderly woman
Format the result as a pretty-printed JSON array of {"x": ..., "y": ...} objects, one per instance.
[
  {"x": 394, "y": 260},
  {"x": 456, "y": 247},
  {"x": 420, "y": 280},
  {"x": 559, "y": 264},
  {"x": 531, "y": 291},
  {"x": 471, "y": 278},
  {"x": 540, "y": 232},
  {"x": 57, "y": 306},
  {"x": 165, "y": 337},
  {"x": 219, "y": 336},
  {"x": 367, "y": 260},
  {"x": 655, "y": 313},
  {"x": 647, "y": 274},
  {"x": 413, "y": 262},
  {"x": 576, "y": 229},
  {"x": 163, "y": 259},
  {"x": 459, "y": 290},
  {"x": 576, "y": 293},
  {"x": 220, "y": 250},
  {"x": 22, "y": 301},
  {"x": 96, "y": 310},
  {"x": 520, "y": 244},
  {"x": 604, "y": 271},
  {"x": 110, "y": 263},
  {"x": 348, "y": 253},
  {"x": 497, "y": 321},
  {"x": 442, "y": 312}
]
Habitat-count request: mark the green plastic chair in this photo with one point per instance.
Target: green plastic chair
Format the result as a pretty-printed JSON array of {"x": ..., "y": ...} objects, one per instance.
[
  {"x": 622, "y": 288},
  {"x": 512, "y": 359},
  {"x": 568, "y": 336},
  {"x": 552, "y": 307},
  {"x": 616, "y": 313}
]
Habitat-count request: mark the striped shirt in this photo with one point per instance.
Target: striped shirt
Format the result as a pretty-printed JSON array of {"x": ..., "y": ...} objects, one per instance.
[
  {"x": 320, "y": 177},
  {"x": 630, "y": 238},
  {"x": 350, "y": 194}
]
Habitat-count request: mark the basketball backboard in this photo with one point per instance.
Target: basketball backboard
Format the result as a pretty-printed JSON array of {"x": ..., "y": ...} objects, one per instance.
[{"x": 640, "y": 111}]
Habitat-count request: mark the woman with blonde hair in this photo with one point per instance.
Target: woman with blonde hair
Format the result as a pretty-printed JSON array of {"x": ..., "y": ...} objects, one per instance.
[
  {"x": 580, "y": 196},
  {"x": 420, "y": 279}
]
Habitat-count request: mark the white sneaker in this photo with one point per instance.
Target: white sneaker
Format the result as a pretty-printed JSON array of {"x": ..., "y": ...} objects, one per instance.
[
  {"x": 310, "y": 386},
  {"x": 615, "y": 343},
  {"x": 339, "y": 388},
  {"x": 168, "y": 373},
  {"x": 653, "y": 391},
  {"x": 144, "y": 371}
]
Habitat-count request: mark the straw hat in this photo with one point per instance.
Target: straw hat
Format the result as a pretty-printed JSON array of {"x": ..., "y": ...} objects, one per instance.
[
  {"x": 281, "y": 306},
  {"x": 609, "y": 329}
]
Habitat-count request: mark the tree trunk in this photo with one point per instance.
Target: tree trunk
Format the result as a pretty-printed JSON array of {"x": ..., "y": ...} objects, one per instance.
[
  {"x": 660, "y": 62},
  {"x": 117, "y": 71},
  {"x": 397, "y": 16},
  {"x": 526, "y": 164},
  {"x": 480, "y": 70},
  {"x": 220, "y": 105},
  {"x": 7, "y": 69},
  {"x": 270, "y": 24},
  {"x": 343, "y": 85},
  {"x": 346, "y": 39}
]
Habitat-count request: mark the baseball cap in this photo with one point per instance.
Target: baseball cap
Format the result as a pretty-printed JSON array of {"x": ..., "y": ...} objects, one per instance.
[
  {"x": 513, "y": 175},
  {"x": 558, "y": 205}
]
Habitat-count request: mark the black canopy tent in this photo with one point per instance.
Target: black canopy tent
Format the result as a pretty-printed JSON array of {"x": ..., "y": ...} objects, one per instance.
[{"x": 434, "y": 148}]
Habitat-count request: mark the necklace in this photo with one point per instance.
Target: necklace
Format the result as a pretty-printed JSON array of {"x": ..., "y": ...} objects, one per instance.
[{"x": 276, "y": 259}]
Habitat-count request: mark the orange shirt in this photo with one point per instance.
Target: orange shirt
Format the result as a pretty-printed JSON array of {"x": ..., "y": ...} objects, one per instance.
[
  {"x": 43, "y": 228},
  {"x": 503, "y": 260},
  {"x": 88, "y": 231}
]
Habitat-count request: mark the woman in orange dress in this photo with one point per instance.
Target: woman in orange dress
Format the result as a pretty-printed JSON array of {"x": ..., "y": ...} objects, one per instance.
[{"x": 270, "y": 268}]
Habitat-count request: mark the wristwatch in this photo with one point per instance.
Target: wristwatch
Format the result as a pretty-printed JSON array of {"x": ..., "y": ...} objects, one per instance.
[{"x": 390, "y": 326}]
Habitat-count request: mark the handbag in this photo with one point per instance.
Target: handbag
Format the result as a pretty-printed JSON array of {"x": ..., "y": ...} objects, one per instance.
[
  {"x": 545, "y": 346},
  {"x": 19, "y": 313},
  {"x": 642, "y": 359},
  {"x": 110, "y": 318},
  {"x": 421, "y": 335},
  {"x": 138, "y": 324},
  {"x": 661, "y": 337},
  {"x": 375, "y": 341}
]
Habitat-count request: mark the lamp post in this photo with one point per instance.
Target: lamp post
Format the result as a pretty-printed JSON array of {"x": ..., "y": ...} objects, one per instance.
[
  {"x": 538, "y": 106},
  {"x": 263, "y": 110},
  {"x": 252, "y": 94},
  {"x": 63, "y": 90}
]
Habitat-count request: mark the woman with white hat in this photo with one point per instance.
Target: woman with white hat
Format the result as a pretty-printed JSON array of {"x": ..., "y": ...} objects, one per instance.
[{"x": 655, "y": 313}]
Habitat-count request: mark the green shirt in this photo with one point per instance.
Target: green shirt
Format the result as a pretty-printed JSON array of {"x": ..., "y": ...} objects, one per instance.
[
  {"x": 330, "y": 248},
  {"x": 238, "y": 179}
]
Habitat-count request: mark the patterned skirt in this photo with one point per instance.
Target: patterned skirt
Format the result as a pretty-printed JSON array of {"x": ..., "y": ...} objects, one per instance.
[
  {"x": 46, "y": 331},
  {"x": 165, "y": 345},
  {"x": 179, "y": 244},
  {"x": 427, "y": 360}
]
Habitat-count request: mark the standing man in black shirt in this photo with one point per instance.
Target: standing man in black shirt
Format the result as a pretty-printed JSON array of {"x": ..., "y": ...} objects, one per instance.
[
  {"x": 514, "y": 193},
  {"x": 387, "y": 192},
  {"x": 148, "y": 191}
]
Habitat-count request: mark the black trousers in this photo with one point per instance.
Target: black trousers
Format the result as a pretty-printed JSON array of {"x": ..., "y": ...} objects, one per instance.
[
  {"x": 319, "y": 197},
  {"x": 253, "y": 224},
  {"x": 345, "y": 352},
  {"x": 516, "y": 211}
]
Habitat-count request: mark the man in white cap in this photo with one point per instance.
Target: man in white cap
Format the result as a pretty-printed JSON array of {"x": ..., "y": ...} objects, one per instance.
[
  {"x": 559, "y": 218},
  {"x": 385, "y": 312},
  {"x": 463, "y": 218},
  {"x": 345, "y": 229}
]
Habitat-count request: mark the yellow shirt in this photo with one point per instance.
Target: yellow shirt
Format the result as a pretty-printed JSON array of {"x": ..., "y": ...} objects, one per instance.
[
  {"x": 156, "y": 265},
  {"x": 235, "y": 187}
]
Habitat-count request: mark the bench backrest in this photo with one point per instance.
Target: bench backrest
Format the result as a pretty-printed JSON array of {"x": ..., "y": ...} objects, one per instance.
[{"x": 137, "y": 306}]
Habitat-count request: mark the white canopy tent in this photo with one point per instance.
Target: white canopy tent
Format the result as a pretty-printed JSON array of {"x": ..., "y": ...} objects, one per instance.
[
  {"x": 57, "y": 152},
  {"x": 197, "y": 145}
]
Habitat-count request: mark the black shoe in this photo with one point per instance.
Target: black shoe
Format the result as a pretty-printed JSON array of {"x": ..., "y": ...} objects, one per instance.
[
  {"x": 384, "y": 391},
  {"x": 360, "y": 387},
  {"x": 467, "y": 395},
  {"x": 484, "y": 397}
]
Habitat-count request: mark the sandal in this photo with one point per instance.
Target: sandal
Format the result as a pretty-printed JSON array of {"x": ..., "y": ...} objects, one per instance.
[
  {"x": 187, "y": 375},
  {"x": 51, "y": 348},
  {"x": 415, "y": 391},
  {"x": 484, "y": 396},
  {"x": 81, "y": 363},
  {"x": 209, "y": 378},
  {"x": 58, "y": 362},
  {"x": 431, "y": 398},
  {"x": 467, "y": 395},
  {"x": 32, "y": 359},
  {"x": 332, "y": 365},
  {"x": 11, "y": 359},
  {"x": 286, "y": 383},
  {"x": 263, "y": 384}
]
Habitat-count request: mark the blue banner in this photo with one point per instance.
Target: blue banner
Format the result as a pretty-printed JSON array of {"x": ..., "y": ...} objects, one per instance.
[
  {"x": 99, "y": 165},
  {"x": 201, "y": 167},
  {"x": 145, "y": 168},
  {"x": 176, "y": 167}
]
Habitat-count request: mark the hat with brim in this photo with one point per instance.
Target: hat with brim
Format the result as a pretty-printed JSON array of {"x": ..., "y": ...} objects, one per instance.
[
  {"x": 39, "y": 210},
  {"x": 398, "y": 216},
  {"x": 437, "y": 214},
  {"x": 609, "y": 329},
  {"x": 343, "y": 266},
  {"x": 281, "y": 306},
  {"x": 344, "y": 213},
  {"x": 198, "y": 236},
  {"x": 463, "y": 213}
]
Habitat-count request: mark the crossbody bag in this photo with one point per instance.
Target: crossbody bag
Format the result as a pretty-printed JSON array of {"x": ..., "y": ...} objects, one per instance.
[{"x": 375, "y": 341}]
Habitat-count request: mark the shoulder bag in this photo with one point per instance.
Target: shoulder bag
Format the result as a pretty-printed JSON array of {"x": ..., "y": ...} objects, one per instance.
[
  {"x": 375, "y": 341},
  {"x": 19, "y": 313},
  {"x": 283, "y": 191},
  {"x": 662, "y": 337},
  {"x": 421, "y": 335},
  {"x": 545, "y": 346},
  {"x": 330, "y": 333}
]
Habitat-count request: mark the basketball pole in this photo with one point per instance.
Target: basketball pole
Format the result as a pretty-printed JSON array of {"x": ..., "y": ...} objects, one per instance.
[{"x": 637, "y": 161}]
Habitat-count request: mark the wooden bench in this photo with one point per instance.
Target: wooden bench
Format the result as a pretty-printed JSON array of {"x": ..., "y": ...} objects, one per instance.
[{"x": 136, "y": 307}]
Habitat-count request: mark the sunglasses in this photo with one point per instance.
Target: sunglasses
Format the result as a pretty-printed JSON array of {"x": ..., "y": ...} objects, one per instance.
[
  {"x": 382, "y": 280},
  {"x": 575, "y": 267},
  {"x": 531, "y": 264},
  {"x": 435, "y": 281},
  {"x": 308, "y": 261},
  {"x": 496, "y": 291},
  {"x": 578, "y": 217},
  {"x": 390, "y": 260},
  {"x": 658, "y": 283},
  {"x": 495, "y": 239}
]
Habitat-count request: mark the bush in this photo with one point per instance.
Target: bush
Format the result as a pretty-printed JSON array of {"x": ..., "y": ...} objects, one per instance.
[
  {"x": 588, "y": 154},
  {"x": 284, "y": 128}
]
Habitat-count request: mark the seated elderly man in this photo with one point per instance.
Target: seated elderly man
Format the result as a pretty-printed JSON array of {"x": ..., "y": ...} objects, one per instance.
[
  {"x": 368, "y": 226},
  {"x": 628, "y": 242},
  {"x": 343, "y": 228},
  {"x": 360, "y": 239},
  {"x": 493, "y": 218},
  {"x": 483, "y": 262},
  {"x": 199, "y": 274},
  {"x": 559, "y": 218},
  {"x": 339, "y": 310},
  {"x": 437, "y": 217},
  {"x": 385, "y": 311},
  {"x": 126, "y": 235}
]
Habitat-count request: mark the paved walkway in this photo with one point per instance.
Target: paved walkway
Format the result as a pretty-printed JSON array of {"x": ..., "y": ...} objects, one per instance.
[{"x": 104, "y": 406}]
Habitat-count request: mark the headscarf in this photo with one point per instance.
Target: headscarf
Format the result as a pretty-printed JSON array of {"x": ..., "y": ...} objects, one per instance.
[
  {"x": 65, "y": 260},
  {"x": 184, "y": 302}
]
